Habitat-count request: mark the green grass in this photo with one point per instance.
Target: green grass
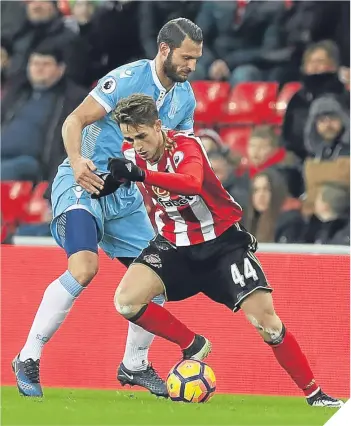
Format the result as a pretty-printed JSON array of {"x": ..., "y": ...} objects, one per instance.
[{"x": 93, "y": 407}]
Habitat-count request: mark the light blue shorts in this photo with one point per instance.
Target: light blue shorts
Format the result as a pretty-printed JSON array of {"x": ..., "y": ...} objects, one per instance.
[{"x": 124, "y": 228}]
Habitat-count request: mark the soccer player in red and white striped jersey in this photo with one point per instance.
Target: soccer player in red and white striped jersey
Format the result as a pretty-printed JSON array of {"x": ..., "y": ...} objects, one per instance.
[
  {"x": 204, "y": 210},
  {"x": 201, "y": 246}
]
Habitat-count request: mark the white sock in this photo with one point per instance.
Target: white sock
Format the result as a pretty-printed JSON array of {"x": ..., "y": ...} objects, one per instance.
[
  {"x": 138, "y": 344},
  {"x": 54, "y": 307}
]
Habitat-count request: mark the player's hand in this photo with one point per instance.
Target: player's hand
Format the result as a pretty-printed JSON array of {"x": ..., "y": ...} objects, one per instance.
[
  {"x": 218, "y": 70},
  {"x": 84, "y": 175},
  {"x": 110, "y": 185},
  {"x": 121, "y": 168}
]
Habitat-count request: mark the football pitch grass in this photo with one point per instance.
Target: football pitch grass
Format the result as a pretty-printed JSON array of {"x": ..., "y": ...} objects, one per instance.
[{"x": 94, "y": 407}]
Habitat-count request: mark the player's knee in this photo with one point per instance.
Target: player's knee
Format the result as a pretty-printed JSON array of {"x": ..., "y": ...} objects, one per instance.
[
  {"x": 124, "y": 306},
  {"x": 84, "y": 267},
  {"x": 267, "y": 323}
]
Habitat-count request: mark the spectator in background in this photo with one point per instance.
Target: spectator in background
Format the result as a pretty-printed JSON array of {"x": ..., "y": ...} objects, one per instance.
[
  {"x": 330, "y": 223},
  {"x": 13, "y": 16},
  {"x": 263, "y": 152},
  {"x": 319, "y": 77},
  {"x": 154, "y": 14},
  {"x": 114, "y": 36},
  {"x": 237, "y": 34},
  {"x": 224, "y": 171},
  {"x": 6, "y": 53},
  {"x": 332, "y": 21},
  {"x": 327, "y": 131},
  {"x": 81, "y": 22},
  {"x": 44, "y": 24},
  {"x": 272, "y": 215},
  {"x": 32, "y": 115},
  {"x": 292, "y": 27}
]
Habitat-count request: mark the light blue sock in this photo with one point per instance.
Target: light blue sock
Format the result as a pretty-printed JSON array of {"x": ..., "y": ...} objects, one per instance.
[{"x": 71, "y": 284}]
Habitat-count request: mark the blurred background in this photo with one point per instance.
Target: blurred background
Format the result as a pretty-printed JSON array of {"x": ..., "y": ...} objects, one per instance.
[{"x": 272, "y": 92}]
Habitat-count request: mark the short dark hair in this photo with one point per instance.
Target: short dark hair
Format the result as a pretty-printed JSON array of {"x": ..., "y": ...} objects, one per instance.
[
  {"x": 175, "y": 31},
  {"x": 328, "y": 46},
  {"x": 49, "y": 50},
  {"x": 136, "y": 110},
  {"x": 337, "y": 196},
  {"x": 265, "y": 132}
]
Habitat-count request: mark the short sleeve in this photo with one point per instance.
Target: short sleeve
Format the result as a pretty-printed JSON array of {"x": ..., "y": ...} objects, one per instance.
[{"x": 106, "y": 92}]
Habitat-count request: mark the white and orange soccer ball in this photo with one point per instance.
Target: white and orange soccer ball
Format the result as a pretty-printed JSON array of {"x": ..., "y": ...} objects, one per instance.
[{"x": 191, "y": 381}]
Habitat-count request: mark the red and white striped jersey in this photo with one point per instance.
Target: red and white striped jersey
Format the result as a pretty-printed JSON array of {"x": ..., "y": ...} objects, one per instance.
[{"x": 194, "y": 218}]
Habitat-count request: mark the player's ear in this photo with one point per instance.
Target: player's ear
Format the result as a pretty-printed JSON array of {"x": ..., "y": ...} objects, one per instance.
[
  {"x": 158, "y": 125},
  {"x": 164, "y": 49}
]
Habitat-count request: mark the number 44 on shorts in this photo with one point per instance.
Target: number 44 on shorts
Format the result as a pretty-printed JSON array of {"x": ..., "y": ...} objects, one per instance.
[{"x": 249, "y": 272}]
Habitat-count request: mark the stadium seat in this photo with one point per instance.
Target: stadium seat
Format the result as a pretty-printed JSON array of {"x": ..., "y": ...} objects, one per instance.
[
  {"x": 251, "y": 103},
  {"x": 14, "y": 199},
  {"x": 37, "y": 209},
  {"x": 210, "y": 97},
  {"x": 283, "y": 99},
  {"x": 64, "y": 7},
  {"x": 236, "y": 138}
]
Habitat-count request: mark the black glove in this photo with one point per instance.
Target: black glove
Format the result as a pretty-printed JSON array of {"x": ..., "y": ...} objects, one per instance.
[
  {"x": 110, "y": 185},
  {"x": 125, "y": 169}
]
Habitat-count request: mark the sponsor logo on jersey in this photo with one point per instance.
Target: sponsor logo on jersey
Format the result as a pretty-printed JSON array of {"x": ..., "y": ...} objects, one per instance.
[
  {"x": 179, "y": 202},
  {"x": 109, "y": 85}
]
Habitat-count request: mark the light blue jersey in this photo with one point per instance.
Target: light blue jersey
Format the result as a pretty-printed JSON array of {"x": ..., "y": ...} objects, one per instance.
[{"x": 123, "y": 225}]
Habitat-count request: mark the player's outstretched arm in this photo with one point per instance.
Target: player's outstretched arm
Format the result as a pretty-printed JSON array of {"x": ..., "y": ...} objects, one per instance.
[
  {"x": 86, "y": 113},
  {"x": 187, "y": 180}
]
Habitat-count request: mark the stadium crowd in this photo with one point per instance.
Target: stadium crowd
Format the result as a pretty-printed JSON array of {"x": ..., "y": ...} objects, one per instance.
[{"x": 272, "y": 91}]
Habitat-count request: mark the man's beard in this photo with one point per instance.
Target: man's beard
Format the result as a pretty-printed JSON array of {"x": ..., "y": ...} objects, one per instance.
[{"x": 171, "y": 70}]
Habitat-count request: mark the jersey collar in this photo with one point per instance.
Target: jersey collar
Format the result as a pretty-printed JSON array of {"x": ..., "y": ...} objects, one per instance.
[{"x": 157, "y": 80}]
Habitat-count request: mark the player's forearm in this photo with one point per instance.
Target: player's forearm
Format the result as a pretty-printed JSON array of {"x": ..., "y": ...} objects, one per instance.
[
  {"x": 182, "y": 184},
  {"x": 72, "y": 137}
]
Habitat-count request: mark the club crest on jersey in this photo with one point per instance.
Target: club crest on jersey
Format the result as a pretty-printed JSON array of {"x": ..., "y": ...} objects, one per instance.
[
  {"x": 173, "y": 109},
  {"x": 162, "y": 193},
  {"x": 178, "y": 157},
  {"x": 109, "y": 85},
  {"x": 153, "y": 259}
]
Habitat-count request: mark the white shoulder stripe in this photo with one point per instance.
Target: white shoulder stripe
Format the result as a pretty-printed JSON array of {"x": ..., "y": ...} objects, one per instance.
[
  {"x": 129, "y": 154},
  {"x": 101, "y": 101}
]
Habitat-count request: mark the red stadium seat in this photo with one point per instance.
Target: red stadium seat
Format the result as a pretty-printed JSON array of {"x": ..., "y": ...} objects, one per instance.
[
  {"x": 64, "y": 7},
  {"x": 236, "y": 138},
  {"x": 251, "y": 103},
  {"x": 37, "y": 208},
  {"x": 210, "y": 97},
  {"x": 14, "y": 199},
  {"x": 284, "y": 98}
]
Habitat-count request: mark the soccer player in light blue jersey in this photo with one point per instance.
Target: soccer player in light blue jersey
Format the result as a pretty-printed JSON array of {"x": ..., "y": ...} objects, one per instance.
[{"x": 118, "y": 223}]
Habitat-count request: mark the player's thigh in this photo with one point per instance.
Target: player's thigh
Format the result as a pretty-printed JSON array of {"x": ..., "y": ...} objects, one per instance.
[
  {"x": 77, "y": 231},
  {"x": 128, "y": 235},
  {"x": 173, "y": 269},
  {"x": 139, "y": 285},
  {"x": 234, "y": 277},
  {"x": 67, "y": 196}
]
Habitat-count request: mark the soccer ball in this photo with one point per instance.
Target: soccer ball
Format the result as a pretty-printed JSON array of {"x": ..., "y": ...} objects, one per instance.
[{"x": 191, "y": 381}]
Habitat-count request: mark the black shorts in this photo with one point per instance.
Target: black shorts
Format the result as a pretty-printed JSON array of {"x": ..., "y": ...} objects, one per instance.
[{"x": 225, "y": 269}]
